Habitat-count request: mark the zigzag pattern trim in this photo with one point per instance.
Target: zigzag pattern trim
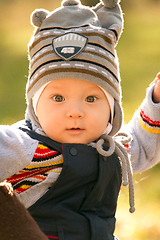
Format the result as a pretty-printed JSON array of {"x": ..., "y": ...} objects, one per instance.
[{"x": 45, "y": 160}]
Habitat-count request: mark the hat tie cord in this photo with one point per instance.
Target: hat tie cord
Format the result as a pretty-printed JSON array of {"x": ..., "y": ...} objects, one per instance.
[{"x": 116, "y": 144}]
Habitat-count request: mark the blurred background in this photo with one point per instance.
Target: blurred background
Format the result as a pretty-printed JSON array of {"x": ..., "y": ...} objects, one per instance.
[{"x": 139, "y": 55}]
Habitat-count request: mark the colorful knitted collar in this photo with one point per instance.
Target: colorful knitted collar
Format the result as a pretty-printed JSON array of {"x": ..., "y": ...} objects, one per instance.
[{"x": 45, "y": 160}]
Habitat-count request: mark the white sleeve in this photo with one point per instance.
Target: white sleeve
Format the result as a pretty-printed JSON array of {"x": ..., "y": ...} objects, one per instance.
[
  {"x": 16, "y": 150},
  {"x": 145, "y": 130}
]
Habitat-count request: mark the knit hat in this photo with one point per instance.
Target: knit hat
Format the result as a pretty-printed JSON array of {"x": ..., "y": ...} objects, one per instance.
[{"x": 76, "y": 42}]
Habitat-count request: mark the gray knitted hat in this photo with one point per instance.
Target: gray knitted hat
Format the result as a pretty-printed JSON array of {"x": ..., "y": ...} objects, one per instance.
[{"x": 76, "y": 42}]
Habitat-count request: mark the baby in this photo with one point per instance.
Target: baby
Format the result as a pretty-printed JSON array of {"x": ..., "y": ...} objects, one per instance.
[{"x": 67, "y": 159}]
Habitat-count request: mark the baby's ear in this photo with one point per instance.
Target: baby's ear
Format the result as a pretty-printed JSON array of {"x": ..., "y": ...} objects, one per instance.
[
  {"x": 110, "y": 3},
  {"x": 38, "y": 16}
]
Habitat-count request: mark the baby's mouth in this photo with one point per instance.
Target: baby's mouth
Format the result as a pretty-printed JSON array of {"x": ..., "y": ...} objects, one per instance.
[{"x": 75, "y": 130}]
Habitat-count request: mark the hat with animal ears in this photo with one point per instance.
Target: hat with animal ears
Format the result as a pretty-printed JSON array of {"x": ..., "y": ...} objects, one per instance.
[{"x": 76, "y": 42}]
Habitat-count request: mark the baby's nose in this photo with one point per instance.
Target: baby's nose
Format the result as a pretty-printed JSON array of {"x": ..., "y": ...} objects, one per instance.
[{"x": 75, "y": 111}]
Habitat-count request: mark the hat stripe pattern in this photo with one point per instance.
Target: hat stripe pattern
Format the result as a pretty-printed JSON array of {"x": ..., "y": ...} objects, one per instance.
[
  {"x": 43, "y": 36},
  {"x": 100, "y": 46},
  {"x": 77, "y": 60},
  {"x": 39, "y": 38},
  {"x": 89, "y": 50},
  {"x": 43, "y": 72},
  {"x": 89, "y": 32},
  {"x": 98, "y": 57},
  {"x": 49, "y": 51},
  {"x": 46, "y": 72},
  {"x": 61, "y": 28}
]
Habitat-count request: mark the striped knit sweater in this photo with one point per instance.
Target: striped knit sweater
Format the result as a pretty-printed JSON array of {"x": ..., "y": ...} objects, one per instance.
[
  {"x": 145, "y": 131},
  {"x": 42, "y": 171},
  {"x": 148, "y": 124}
]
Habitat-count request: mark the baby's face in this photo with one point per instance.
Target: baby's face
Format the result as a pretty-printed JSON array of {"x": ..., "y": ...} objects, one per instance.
[{"x": 73, "y": 111}]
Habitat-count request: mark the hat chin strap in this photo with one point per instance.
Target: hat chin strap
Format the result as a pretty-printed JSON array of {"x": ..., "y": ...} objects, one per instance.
[
  {"x": 110, "y": 101},
  {"x": 36, "y": 97},
  {"x": 108, "y": 129}
]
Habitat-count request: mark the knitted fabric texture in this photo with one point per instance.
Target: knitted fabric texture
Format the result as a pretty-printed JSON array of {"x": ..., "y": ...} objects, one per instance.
[
  {"x": 77, "y": 42},
  {"x": 148, "y": 124},
  {"x": 72, "y": 43},
  {"x": 45, "y": 161}
]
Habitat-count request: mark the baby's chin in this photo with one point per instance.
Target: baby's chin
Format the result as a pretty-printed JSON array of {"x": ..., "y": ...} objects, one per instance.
[
  {"x": 79, "y": 137},
  {"x": 74, "y": 141}
]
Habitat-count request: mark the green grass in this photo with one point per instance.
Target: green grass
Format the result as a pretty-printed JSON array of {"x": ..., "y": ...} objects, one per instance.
[{"x": 139, "y": 54}]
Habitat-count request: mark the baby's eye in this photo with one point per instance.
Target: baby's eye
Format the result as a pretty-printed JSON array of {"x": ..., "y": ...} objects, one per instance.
[
  {"x": 90, "y": 99},
  {"x": 58, "y": 98}
]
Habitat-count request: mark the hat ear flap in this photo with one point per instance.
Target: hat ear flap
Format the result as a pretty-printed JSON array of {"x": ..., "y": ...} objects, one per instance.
[{"x": 38, "y": 16}]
